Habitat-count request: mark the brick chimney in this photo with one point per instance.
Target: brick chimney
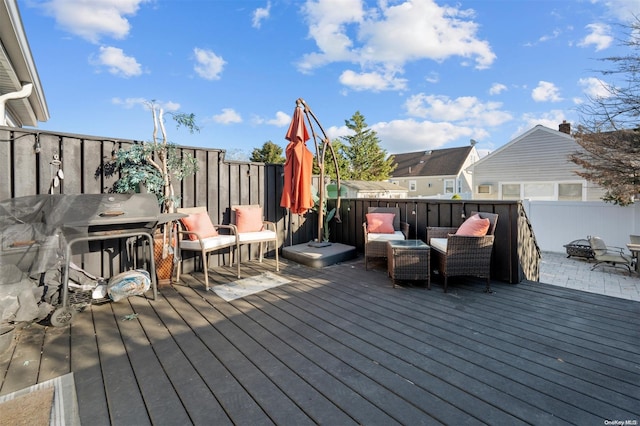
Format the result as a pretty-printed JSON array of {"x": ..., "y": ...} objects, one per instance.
[{"x": 565, "y": 127}]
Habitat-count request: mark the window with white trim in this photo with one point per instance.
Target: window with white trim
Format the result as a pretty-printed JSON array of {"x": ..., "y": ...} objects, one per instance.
[
  {"x": 539, "y": 191},
  {"x": 484, "y": 189},
  {"x": 570, "y": 191},
  {"x": 412, "y": 185},
  {"x": 449, "y": 186},
  {"x": 545, "y": 191},
  {"x": 510, "y": 191}
]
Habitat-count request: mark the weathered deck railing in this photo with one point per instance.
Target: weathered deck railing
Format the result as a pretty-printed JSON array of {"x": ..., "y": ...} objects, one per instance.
[{"x": 26, "y": 169}]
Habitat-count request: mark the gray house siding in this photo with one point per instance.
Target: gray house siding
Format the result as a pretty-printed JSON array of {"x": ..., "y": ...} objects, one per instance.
[{"x": 540, "y": 155}]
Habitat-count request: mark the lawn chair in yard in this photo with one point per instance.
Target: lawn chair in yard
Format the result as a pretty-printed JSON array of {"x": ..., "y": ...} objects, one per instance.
[
  {"x": 604, "y": 254},
  {"x": 464, "y": 251}
]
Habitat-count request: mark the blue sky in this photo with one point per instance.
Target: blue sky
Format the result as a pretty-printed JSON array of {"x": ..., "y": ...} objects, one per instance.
[{"x": 425, "y": 74}]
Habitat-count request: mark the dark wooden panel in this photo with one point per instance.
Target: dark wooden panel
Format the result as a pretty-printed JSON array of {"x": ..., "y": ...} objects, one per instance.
[
  {"x": 72, "y": 166},
  {"x": 6, "y": 163},
  {"x": 25, "y": 164},
  {"x": 201, "y": 195},
  {"x": 49, "y": 154}
]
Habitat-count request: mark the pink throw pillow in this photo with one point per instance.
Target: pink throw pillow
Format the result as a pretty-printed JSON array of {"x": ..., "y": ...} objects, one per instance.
[
  {"x": 200, "y": 223},
  {"x": 249, "y": 219},
  {"x": 380, "y": 223},
  {"x": 474, "y": 226}
]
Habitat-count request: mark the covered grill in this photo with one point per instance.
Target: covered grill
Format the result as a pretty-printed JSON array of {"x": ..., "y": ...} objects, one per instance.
[{"x": 43, "y": 231}]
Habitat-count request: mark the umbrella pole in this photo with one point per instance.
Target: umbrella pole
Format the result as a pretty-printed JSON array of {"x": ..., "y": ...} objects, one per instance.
[{"x": 320, "y": 152}]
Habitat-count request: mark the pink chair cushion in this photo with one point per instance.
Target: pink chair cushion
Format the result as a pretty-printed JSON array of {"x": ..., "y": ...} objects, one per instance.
[
  {"x": 249, "y": 219},
  {"x": 200, "y": 223},
  {"x": 380, "y": 223},
  {"x": 474, "y": 226}
]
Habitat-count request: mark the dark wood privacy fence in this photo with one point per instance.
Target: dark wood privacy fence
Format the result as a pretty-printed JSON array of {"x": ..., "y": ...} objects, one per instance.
[
  {"x": 27, "y": 169},
  {"x": 515, "y": 257}
]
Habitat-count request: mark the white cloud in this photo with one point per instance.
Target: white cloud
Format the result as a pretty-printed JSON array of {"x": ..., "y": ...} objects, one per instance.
[
  {"x": 388, "y": 36},
  {"x": 260, "y": 14},
  {"x": 414, "y": 135},
  {"x": 497, "y": 88},
  {"x": 555, "y": 34},
  {"x": 595, "y": 88},
  {"x": 129, "y": 103},
  {"x": 169, "y": 106},
  {"x": 550, "y": 119},
  {"x": 432, "y": 77},
  {"x": 624, "y": 10},
  {"x": 208, "y": 65},
  {"x": 92, "y": 20},
  {"x": 411, "y": 135},
  {"x": 228, "y": 116},
  {"x": 117, "y": 62},
  {"x": 281, "y": 119},
  {"x": 465, "y": 110},
  {"x": 546, "y": 92},
  {"x": 373, "y": 81},
  {"x": 599, "y": 37}
]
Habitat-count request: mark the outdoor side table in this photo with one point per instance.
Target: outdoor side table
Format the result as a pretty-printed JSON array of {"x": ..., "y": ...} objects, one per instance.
[
  {"x": 408, "y": 260},
  {"x": 634, "y": 249}
]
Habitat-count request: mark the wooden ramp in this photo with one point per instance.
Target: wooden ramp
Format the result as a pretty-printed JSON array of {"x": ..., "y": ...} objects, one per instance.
[{"x": 339, "y": 345}]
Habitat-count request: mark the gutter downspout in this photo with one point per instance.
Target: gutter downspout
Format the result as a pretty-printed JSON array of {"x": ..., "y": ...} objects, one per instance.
[{"x": 25, "y": 92}]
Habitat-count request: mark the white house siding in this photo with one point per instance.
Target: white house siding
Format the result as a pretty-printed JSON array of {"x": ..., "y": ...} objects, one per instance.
[{"x": 540, "y": 155}]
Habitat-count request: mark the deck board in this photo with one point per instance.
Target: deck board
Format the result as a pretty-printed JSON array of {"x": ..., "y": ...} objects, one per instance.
[
  {"x": 125, "y": 402},
  {"x": 152, "y": 353},
  {"x": 22, "y": 370},
  {"x": 340, "y": 345},
  {"x": 87, "y": 372}
]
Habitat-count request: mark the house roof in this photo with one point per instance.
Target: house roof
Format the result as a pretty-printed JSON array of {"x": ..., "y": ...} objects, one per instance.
[
  {"x": 17, "y": 68},
  {"x": 364, "y": 185},
  {"x": 437, "y": 162}
]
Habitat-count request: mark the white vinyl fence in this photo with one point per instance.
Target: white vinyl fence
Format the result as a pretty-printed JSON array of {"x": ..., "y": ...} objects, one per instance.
[{"x": 556, "y": 223}]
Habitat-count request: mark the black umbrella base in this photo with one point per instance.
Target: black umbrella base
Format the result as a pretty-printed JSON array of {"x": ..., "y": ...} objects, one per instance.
[{"x": 319, "y": 257}]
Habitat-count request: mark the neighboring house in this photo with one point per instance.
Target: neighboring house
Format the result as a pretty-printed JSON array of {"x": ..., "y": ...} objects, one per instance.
[
  {"x": 533, "y": 166},
  {"x": 436, "y": 173},
  {"x": 22, "y": 101},
  {"x": 367, "y": 189}
]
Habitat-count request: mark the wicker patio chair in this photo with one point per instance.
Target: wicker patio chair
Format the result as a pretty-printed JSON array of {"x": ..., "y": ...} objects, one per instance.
[
  {"x": 457, "y": 255},
  {"x": 375, "y": 244}
]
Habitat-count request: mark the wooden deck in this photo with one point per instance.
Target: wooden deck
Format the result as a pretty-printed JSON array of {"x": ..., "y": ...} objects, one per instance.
[{"x": 340, "y": 346}]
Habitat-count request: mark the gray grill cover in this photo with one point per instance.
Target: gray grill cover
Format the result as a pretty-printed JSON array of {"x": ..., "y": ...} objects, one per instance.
[{"x": 34, "y": 230}]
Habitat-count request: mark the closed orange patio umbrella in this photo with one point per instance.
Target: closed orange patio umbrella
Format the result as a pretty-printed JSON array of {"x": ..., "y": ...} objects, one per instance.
[{"x": 296, "y": 194}]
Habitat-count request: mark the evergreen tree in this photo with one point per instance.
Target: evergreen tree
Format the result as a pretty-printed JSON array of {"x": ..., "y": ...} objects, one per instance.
[
  {"x": 329, "y": 166},
  {"x": 610, "y": 128},
  {"x": 269, "y": 153},
  {"x": 367, "y": 160}
]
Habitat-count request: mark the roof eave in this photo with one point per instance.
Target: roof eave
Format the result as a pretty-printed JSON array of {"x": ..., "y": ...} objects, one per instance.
[{"x": 17, "y": 68}]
